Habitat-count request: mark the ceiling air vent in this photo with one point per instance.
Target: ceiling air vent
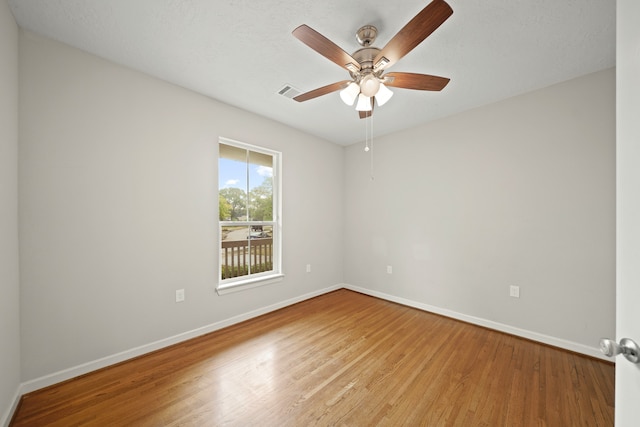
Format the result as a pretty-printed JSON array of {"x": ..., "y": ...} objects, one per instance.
[{"x": 289, "y": 91}]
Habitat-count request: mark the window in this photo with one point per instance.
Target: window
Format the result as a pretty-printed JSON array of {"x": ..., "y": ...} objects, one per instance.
[{"x": 249, "y": 215}]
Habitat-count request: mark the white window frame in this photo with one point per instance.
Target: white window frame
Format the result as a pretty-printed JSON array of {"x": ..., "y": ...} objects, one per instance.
[{"x": 258, "y": 279}]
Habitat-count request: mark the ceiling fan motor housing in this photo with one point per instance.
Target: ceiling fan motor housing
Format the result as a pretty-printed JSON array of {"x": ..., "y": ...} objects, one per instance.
[{"x": 365, "y": 57}]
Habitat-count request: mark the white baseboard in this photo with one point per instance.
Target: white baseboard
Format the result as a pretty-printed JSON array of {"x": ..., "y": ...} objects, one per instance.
[
  {"x": 8, "y": 414},
  {"x": 534, "y": 336},
  {"x": 84, "y": 368}
]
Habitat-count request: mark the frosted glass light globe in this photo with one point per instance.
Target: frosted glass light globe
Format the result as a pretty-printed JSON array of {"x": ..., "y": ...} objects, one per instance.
[
  {"x": 369, "y": 85},
  {"x": 350, "y": 93}
]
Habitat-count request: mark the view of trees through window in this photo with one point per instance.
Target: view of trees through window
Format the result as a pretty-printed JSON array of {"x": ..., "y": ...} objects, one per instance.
[{"x": 246, "y": 212}]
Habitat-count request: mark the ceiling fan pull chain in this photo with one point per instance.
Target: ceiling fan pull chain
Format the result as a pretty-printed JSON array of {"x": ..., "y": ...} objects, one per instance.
[
  {"x": 366, "y": 135},
  {"x": 371, "y": 148}
]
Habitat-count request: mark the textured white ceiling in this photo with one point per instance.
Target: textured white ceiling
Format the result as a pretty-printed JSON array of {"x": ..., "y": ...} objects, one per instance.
[{"x": 241, "y": 52}]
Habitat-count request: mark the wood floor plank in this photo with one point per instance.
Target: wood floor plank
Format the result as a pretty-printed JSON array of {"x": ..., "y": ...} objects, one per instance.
[{"x": 339, "y": 359}]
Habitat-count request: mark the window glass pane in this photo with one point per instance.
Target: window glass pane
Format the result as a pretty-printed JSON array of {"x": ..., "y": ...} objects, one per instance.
[
  {"x": 260, "y": 187},
  {"x": 261, "y": 249},
  {"x": 234, "y": 254},
  {"x": 233, "y": 183},
  {"x": 246, "y": 250}
]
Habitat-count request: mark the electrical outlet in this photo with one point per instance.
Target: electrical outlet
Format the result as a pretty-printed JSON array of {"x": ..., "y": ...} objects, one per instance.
[
  {"x": 179, "y": 295},
  {"x": 308, "y": 268},
  {"x": 514, "y": 291},
  {"x": 389, "y": 269}
]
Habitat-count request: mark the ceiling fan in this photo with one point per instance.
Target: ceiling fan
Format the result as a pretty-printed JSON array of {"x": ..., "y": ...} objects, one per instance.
[{"x": 367, "y": 65}]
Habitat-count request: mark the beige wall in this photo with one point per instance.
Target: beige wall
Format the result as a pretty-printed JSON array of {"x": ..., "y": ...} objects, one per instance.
[
  {"x": 9, "y": 284},
  {"x": 118, "y": 175},
  {"x": 520, "y": 192}
]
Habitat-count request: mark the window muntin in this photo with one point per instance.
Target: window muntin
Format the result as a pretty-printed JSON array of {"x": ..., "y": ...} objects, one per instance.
[{"x": 248, "y": 198}]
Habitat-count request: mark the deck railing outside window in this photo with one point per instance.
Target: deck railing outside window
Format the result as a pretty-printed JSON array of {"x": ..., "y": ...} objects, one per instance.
[{"x": 244, "y": 257}]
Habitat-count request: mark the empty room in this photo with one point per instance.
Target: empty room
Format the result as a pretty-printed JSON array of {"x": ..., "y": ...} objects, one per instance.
[{"x": 427, "y": 213}]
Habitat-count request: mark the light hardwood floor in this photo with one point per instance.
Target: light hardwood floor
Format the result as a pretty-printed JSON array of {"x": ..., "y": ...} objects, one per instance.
[{"x": 339, "y": 359}]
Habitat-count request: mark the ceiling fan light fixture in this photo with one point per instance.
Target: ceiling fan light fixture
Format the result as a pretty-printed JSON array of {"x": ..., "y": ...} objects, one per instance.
[
  {"x": 369, "y": 85},
  {"x": 350, "y": 93},
  {"x": 383, "y": 95},
  {"x": 364, "y": 103}
]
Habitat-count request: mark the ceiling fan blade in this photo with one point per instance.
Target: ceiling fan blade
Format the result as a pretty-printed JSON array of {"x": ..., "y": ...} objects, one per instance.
[
  {"x": 415, "y": 81},
  {"x": 412, "y": 34},
  {"x": 365, "y": 114},
  {"x": 325, "y": 47},
  {"x": 322, "y": 91}
]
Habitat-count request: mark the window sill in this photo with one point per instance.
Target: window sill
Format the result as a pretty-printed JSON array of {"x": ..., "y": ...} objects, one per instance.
[{"x": 228, "y": 288}]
